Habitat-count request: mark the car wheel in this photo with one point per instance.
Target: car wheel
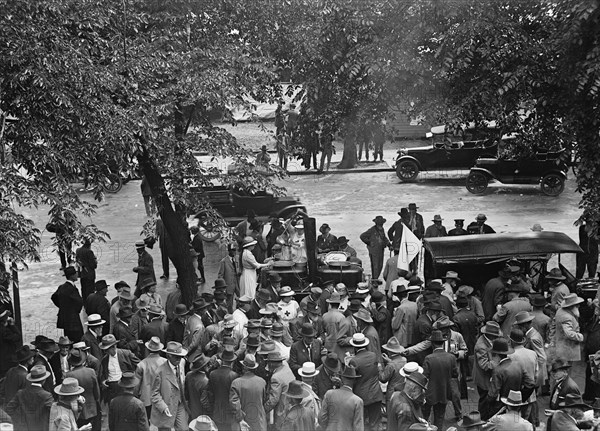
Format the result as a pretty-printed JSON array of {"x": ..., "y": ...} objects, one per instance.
[
  {"x": 407, "y": 170},
  {"x": 477, "y": 183},
  {"x": 209, "y": 234},
  {"x": 113, "y": 183},
  {"x": 553, "y": 185}
]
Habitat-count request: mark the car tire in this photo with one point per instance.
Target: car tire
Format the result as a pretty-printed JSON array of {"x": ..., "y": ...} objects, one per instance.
[
  {"x": 552, "y": 185},
  {"x": 113, "y": 183},
  {"x": 209, "y": 235},
  {"x": 407, "y": 170},
  {"x": 477, "y": 183}
]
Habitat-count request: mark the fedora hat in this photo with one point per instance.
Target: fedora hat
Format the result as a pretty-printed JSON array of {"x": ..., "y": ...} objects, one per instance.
[
  {"x": 69, "y": 271},
  {"x": 471, "y": 420},
  {"x": 332, "y": 362},
  {"x": 38, "y": 373},
  {"x": 24, "y": 353},
  {"x": 412, "y": 206},
  {"x": 140, "y": 244},
  {"x": 266, "y": 323},
  {"x": 270, "y": 308},
  {"x": 364, "y": 315},
  {"x": 220, "y": 284},
  {"x": 128, "y": 380},
  {"x": 377, "y": 296},
  {"x": 415, "y": 281},
  {"x": 277, "y": 329},
  {"x": 286, "y": 291},
  {"x": 349, "y": 372},
  {"x": 143, "y": 302},
  {"x": 403, "y": 212},
  {"x": 307, "y": 330},
  {"x": 76, "y": 358},
  {"x": 555, "y": 274},
  {"x": 538, "y": 301},
  {"x": 202, "y": 423},
  {"x": 517, "y": 336},
  {"x": 342, "y": 240},
  {"x": 274, "y": 276},
  {"x": 379, "y": 220},
  {"x": 200, "y": 361},
  {"x": 514, "y": 399},
  {"x": 335, "y": 298},
  {"x": 393, "y": 346},
  {"x": 175, "y": 348},
  {"x": 253, "y": 340},
  {"x": 266, "y": 347},
  {"x": 200, "y": 304},
  {"x": 69, "y": 386},
  {"x": 418, "y": 378},
  {"x": 125, "y": 312},
  {"x": 253, "y": 324},
  {"x": 573, "y": 400},
  {"x": 465, "y": 290},
  {"x": 312, "y": 307},
  {"x": 443, "y": 322},
  {"x": 295, "y": 390},
  {"x": 121, "y": 284},
  {"x": 433, "y": 305},
  {"x": 229, "y": 322},
  {"x": 275, "y": 357},
  {"x": 46, "y": 344},
  {"x": 154, "y": 345},
  {"x": 249, "y": 362},
  {"x": 481, "y": 216},
  {"x": 523, "y": 317},
  {"x": 359, "y": 340},
  {"x": 323, "y": 227},
  {"x": 434, "y": 286},
  {"x": 100, "y": 285},
  {"x": 81, "y": 346},
  {"x": 108, "y": 341},
  {"x": 462, "y": 301},
  {"x": 308, "y": 370},
  {"x": 452, "y": 275},
  {"x": 437, "y": 217},
  {"x": 181, "y": 310},
  {"x": 148, "y": 284},
  {"x": 500, "y": 346},
  {"x": 437, "y": 336},
  {"x": 156, "y": 310},
  {"x": 571, "y": 300},
  {"x": 126, "y": 294},
  {"x": 560, "y": 364},
  {"x": 491, "y": 328},
  {"x": 95, "y": 320},
  {"x": 409, "y": 368},
  {"x": 248, "y": 241},
  {"x": 227, "y": 355},
  {"x": 63, "y": 341}
]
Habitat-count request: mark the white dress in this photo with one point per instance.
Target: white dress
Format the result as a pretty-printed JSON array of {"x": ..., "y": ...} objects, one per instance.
[{"x": 248, "y": 280}]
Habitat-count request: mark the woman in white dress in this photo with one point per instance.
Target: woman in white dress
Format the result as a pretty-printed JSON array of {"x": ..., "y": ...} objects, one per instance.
[{"x": 249, "y": 279}]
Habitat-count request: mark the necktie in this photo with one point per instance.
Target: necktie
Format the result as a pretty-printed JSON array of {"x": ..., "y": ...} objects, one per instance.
[{"x": 178, "y": 374}]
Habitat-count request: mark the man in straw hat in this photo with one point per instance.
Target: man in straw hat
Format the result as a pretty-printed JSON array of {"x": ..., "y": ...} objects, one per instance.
[
  {"x": 114, "y": 363},
  {"x": 569, "y": 415},
  {"x": 219, "y": 384},
  {"x": 90, "y": 412},
  {"x": 63, "y": 412},
  {"x": 147, "y": 370},
  {"x": 126, "y": 412},
  {"x": 568, "y": 337},
  {"x": 404, "y": 409},
  {"x": 376, "y": 242},
  {"x": 29, "y": 408},
  {"x": 510, "y": 419},
  {"x": 307, "y": 374},
  {"x": 367, "y": 385},
  {"x": 297, "y": 417},
  {"x": 69, "y": 303},
  {"x": 280, "y": 379},
  {"x": 246, "y": 395},
  {"x": 483, "y": 365},
  {"x": 394, "y": 362},
  {"x": 471, "y": 422},
  {"x": 341, "y": 408},
  {"x": 169, "y": 405},
  {"x": 144, "y": 268}
]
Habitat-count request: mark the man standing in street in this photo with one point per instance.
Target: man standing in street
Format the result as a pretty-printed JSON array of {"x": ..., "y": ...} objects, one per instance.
[
  {"x": 69, "y": 303},
  {"x": 483, "y": 365},
  {"x": 229, "y": 272},
  {"x": 459, "y": 229},
  {"x": 527, "y": 359},
  {"x": 126, "y": 412},
  {"x": 515, "y": 303},
  {"x": 376, "y": 242},
  {"x": 479, "y": 226},
  {"x": 94, "y": 334},
  {"x": 164, "y": 244},
  {"x": 415, "y": 221},
  {"x": 219, "y": 385},
  {"x": 510, "y": 419},
  {"x": 278, "y": 384},
  {"x": 144, "y": 268},
  {"x": 87, "y": 263},
  {"x": 247, "y": 395},
  {"x": 297, "y": 417},
  {"x": 436, "y": 230},
  {"x": 395, "y": 232},
  {"x": 405, "y": 405},
  {"x": 29, "y": 409},
  {"x": 146, "y": 372},
  {"x": 341, "y": 409},
  {"x": 96, "y": 303},
  {"x": 88, "y": 380},
  {"x": 114, "y": 363},
  {"x": 16, "y": 377},
  {"x": 305, "y": 350},
  {"x": 558, "y": 289},
  {"x": 568, "y": 337},
  {"x": 493, "y": 292}
]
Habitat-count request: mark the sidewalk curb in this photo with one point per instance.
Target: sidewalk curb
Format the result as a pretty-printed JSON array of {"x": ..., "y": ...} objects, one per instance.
[{"x": 342, "y": 171}]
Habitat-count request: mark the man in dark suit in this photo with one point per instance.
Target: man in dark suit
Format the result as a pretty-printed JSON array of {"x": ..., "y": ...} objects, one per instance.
[
  {"x": 479, "y": 226},
  {"x": 114, "y": 363},
  {"x": 229, "y": 272},
  {"x": 440, "y": 368},
  {"x": 157, "y": 327},
  {"x": 563, "y": 383},
  {"x": 273, "y": 286},
  {"x": 96, "y": 303},
  {"x": 382, "y": 318},
  {"x": 126, "y": 412},
  {"x": 16, "y": 377},
  {"x": 198, "y": 246},
  {"x": 69, "y": 303},
  {"x": 196, "y": 387},
  {"x": 88, "y": 380},
  {"x": 493, "y": 292},
  {"x": 395, "y": 232},
  {"x": 144, "y": 268},
  {"x": 87, "y": 262},
  {"x": 29, "y": 409},
  {"x": 415, "y": 221},
  {"x": 47, "y": 348},
  {"x": 123, "y": 332},
  {"x": 423, "y": 328},
  {"x": 219, "y": 384},
  {"x": 328, "y": 374},
  {"x": 247, "y": 395},
  {"x": 313, "y": 318},
  {"x": 90, "y": 360},
  {"x": 164, "y": 244},
  {"x": 94, "y": 333},
  {"x": 405, "y": 405},
  {"x": 366, "y": 385},
  {"x": 341, "y": 408},
  {"x": 465, "y": 320},
  {"x": 262, "y": 297},
  {"x": 10, "y": 339},
  {"x": 306, "y": 350}
]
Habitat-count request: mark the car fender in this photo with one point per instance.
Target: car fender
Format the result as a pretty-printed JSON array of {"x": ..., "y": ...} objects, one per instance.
[
  {"x": 483, "y": 171},
  {"x": 563, "y": 174},
  {"x": 407, "y": 157},
  {"x": 291, "y": 208}
]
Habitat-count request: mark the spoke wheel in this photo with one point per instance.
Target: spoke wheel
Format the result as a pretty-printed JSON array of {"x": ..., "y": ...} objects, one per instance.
[
  {"x": 113, "y": 183},
  {"x": 407, "y": 170},
  {"x": 477, "y": 183},
  {"x": 553, "y": 185},
  {"x": 209, "y": 233}
]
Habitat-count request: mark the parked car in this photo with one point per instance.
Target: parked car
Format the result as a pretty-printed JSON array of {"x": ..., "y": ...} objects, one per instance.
[
  {"x": 446, "y": 151},
  {"x": 548, "y": 169}
]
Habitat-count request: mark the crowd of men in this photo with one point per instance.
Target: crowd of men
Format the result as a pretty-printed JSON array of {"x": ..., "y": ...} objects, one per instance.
[{"x": 394, "y": 354}]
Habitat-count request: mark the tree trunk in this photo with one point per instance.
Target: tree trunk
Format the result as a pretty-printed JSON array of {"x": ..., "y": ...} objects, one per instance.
[
  {"x": 349, "y": 159},
  {"x": 176, "y": 228}
]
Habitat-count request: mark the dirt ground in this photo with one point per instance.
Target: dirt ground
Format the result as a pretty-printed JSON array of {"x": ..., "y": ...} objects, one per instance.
[{"x": 347, "y": 202}]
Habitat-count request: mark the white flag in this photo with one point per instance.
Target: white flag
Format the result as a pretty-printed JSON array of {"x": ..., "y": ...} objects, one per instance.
[{"x": 410, "y": 246}]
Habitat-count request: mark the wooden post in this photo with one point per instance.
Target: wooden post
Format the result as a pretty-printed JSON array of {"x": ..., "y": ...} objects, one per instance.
[{"x": 16, "y": 299}]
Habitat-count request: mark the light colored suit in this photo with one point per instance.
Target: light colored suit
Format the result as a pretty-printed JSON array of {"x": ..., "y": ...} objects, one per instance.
[
  {"x": 146, "y": 372},
  {"x": 331, "y": 324},
  {"x": 567, "y": 338},
  {"x": 276, "y": 398},
  {"x": 509, "y": 421},
  {"x": 192, "y": 334},
  {"x": 528, "y": 361},
  {"x": 167, "y": 392},
  {"x": 89, "y": 382},
  {"x": 341, "y": 410},
  {"x": 403, "y": 322},
  {"x": 247, "y": 396}
]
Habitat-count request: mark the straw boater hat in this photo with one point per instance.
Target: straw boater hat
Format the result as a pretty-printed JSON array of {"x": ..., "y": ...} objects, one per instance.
[
  {"x": 140, "y": 244},
  {"x": 248, "y": 241},
  {"x": 359, "y": 340},
  {"x": 69, "y": 386},
  {"x": 362, "y": 288},
  {"x": 95, "y": 320},
  {"x": 308, "y": 370},
  {"x": 571, "y": 300},
  {"x": 409, "y": 368}
]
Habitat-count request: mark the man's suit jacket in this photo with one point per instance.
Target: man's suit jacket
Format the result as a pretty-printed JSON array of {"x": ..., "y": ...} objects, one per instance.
[
  {"x": 561, "y": 421},
  {"x": 15, "y": 379},
  {"x": 367, "y": 386},
  {"x": 419, "y": 229},
  {"x": 91, "y": 340},
  {"x": 483, "y": 366},
  {"x": 506, "y": 315},
  {"x": 568, "y": 338},
  {"x": 276, "y": 389},
  {"x": 196, "y": 392},
  {"x": 561, "y": 390},
  {"x": 341, "y": 410},
  {"x": 322, "y": 382},
  {"x": 229, "y": 273},
  {"x": 192, "y": 334},
  {"x": 403, "y": 412},
  {"x": 296, "y": 327},
  {"x": 467, "y": 324},
  {"x": 528, "y": 361},
  {"x": 492, "y": 295},
  {"x": 29, "y": 409},
  {"x": 144, "y": 270},
  {"x": 332, "y": 320},
  {"x": 146, "y": 372},
  {"x": 52, "y": 379},
  {"x": 93, "y": 363},
  {"x": 89, "y": 382},
  {"x": 246, "y": 396},
  {"x": 394, "y": 234},
  {"x": 155, "y": 328},
  {"x": 125, "y": 336},
  {"x": 440, "y": 368},
  {"x": 127, "y": 361},
  {"x": 423, "y": 328},
  {"x": 98, "y": 304},
  {"x": 166, "y": 394},
  {"x": 404, "y": 322},
  {"x": 299, "y": 354},
  {"x": 219, "y": 384},
  {"x": 382, "y": 321},
  {"x": 69, "y": 303},
  {"x": 347, "y": 328},
  {"x": 254, "y": 311},
  {"x": 374, "y": 344},
  {"x": 509, "y": 421},
  {"x": 127, "y": 413},
  {"x": 508, "y": 375}
]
